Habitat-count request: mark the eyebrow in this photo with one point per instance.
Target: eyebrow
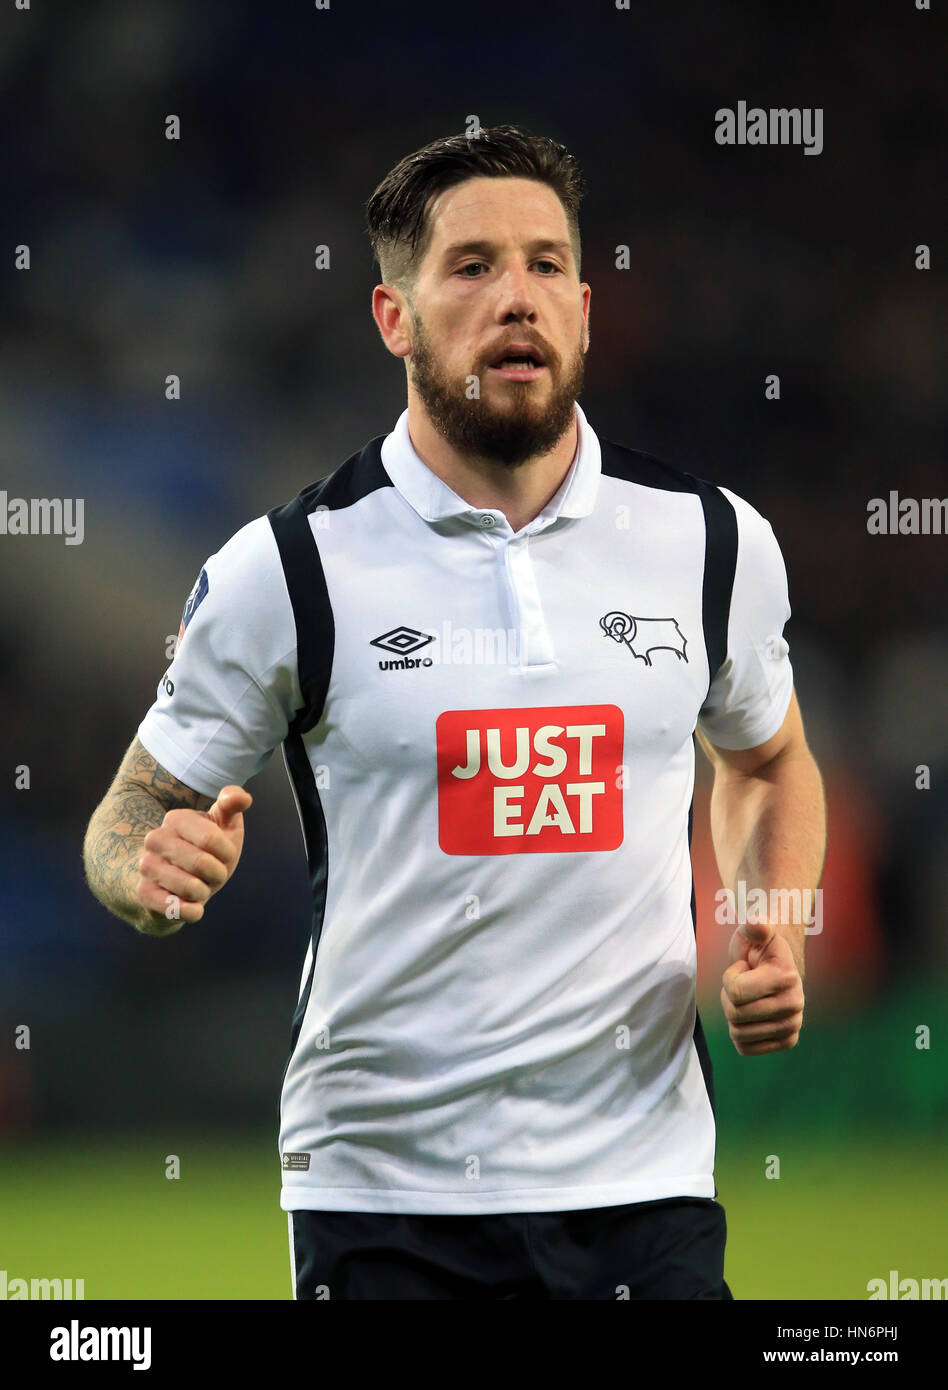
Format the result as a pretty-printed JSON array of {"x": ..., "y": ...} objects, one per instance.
[{"x": 485, "y": 247}]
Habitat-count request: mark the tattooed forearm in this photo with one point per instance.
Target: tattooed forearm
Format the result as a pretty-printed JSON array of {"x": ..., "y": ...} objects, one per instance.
[
  {"x": 142, "y": 792},
  {"x": 140, "y": 769}
]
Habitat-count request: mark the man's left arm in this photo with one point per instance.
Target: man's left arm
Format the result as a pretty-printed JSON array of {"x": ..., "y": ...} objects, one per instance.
[{"x": 768, "y": 825}]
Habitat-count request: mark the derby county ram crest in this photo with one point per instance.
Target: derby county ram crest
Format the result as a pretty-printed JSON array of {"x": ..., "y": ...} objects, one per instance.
[{"x": 643, "y": 636}]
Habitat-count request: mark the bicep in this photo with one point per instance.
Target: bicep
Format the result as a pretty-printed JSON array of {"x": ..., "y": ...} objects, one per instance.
[
  {"x": 232, "y": 689},
  {"x": 749, "y": 695},
  {"x": 788, "y": 740}
]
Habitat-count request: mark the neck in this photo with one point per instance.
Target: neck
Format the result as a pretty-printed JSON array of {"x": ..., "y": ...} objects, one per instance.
[{"x": 520, "y": 492}]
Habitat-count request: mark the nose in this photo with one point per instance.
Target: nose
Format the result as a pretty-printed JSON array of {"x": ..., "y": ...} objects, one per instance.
[{"x": 515, "y": 297}]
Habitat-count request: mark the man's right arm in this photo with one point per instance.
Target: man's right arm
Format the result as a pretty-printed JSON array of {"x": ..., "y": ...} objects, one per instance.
[{"x": 155, "y": 850}]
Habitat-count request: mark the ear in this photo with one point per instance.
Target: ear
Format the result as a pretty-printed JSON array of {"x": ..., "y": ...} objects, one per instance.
[{"x": 393, "y": 317}]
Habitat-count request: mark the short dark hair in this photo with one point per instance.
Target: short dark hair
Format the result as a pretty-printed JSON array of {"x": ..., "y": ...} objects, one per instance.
[{"x": 397, "y": 212}]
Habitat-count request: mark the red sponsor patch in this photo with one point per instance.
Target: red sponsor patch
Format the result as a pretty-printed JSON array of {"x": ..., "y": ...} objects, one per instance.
[{"x": 530, "y": 781}]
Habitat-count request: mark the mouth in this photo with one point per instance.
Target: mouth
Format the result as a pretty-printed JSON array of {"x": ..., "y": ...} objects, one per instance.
[{"x": 519, "y": 362}]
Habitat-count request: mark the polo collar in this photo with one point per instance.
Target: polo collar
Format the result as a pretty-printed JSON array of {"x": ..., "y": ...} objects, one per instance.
[{"x": 433, "y": 500}]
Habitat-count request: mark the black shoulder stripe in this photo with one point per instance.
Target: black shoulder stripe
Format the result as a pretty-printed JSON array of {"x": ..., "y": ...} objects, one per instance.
[
  {"x": 644, "y": 469},
  {"x": 312, "y": 610},
  {"x": 720, "y": 562},
  {"x": 360, "y": 475},
  {"x": 720, "y": 528}
]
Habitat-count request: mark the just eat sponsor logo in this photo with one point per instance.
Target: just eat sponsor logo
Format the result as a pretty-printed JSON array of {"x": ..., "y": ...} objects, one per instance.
[{"x": 529, "y": 781}]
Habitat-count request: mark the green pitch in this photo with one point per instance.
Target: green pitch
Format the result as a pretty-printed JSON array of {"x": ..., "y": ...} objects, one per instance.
[{"x": 838, "y": 1216}]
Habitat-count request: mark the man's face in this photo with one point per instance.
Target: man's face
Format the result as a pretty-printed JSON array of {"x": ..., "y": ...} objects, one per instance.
[{"x": 499, "y": 278}]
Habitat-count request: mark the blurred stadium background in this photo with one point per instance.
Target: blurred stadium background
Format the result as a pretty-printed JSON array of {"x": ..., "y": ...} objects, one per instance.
[{"x": 196, "y": 257}]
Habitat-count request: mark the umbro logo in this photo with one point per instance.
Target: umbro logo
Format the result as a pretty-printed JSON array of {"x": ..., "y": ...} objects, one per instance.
[
  {"x": 403, "y": 641},
  {"x": 643, "y": 636}
]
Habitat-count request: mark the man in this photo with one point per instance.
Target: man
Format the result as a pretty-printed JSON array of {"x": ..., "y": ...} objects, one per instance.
[{"x": 486, "y": 643}]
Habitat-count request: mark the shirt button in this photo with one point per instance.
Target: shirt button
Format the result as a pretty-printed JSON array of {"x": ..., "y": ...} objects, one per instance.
[{"x": 487, "y": 521}]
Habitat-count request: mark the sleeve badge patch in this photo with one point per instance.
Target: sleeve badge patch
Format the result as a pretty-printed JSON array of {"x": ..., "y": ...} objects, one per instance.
[{"x": 194, "y": 600}]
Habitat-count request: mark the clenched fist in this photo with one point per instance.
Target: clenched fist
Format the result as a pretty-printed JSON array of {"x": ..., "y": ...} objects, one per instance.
[
  {"x": 189, "y": 857},
  {"x": 762, "y": 993}
]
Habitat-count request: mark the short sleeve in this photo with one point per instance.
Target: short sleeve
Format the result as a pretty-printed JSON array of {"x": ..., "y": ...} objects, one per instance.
[
  {"x": 232, "y": 688},
  {"x": 750, "y": 694}
]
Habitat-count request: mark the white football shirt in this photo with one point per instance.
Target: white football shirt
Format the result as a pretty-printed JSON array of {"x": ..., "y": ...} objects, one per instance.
[{"x": 490, "y": 740}]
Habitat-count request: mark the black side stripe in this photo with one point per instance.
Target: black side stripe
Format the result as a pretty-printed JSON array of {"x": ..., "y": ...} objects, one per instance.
[
  {"x": 315, "y": 636},
  {"x": 361, "y": 474},
  {"x": 720, "y": 562},
  {"x": 700, "y": 1041},
  {"x": 317, "y": 858}
]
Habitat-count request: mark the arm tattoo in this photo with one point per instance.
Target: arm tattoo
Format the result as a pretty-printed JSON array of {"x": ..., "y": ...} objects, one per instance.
[
  {"x": 140, "y": 768},
  {"x": 142, "y": 792}
]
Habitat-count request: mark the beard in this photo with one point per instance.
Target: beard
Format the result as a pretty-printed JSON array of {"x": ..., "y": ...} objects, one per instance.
[{"x": 523, "y": 427}]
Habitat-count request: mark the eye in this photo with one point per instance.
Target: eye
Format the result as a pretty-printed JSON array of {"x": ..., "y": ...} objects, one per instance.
[
  {"x": 549, "y": 263},
  {"x": 471, "y": 265}
]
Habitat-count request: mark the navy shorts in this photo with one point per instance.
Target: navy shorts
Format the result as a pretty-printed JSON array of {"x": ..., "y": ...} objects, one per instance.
[{"x": 668, "y": 1249}]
